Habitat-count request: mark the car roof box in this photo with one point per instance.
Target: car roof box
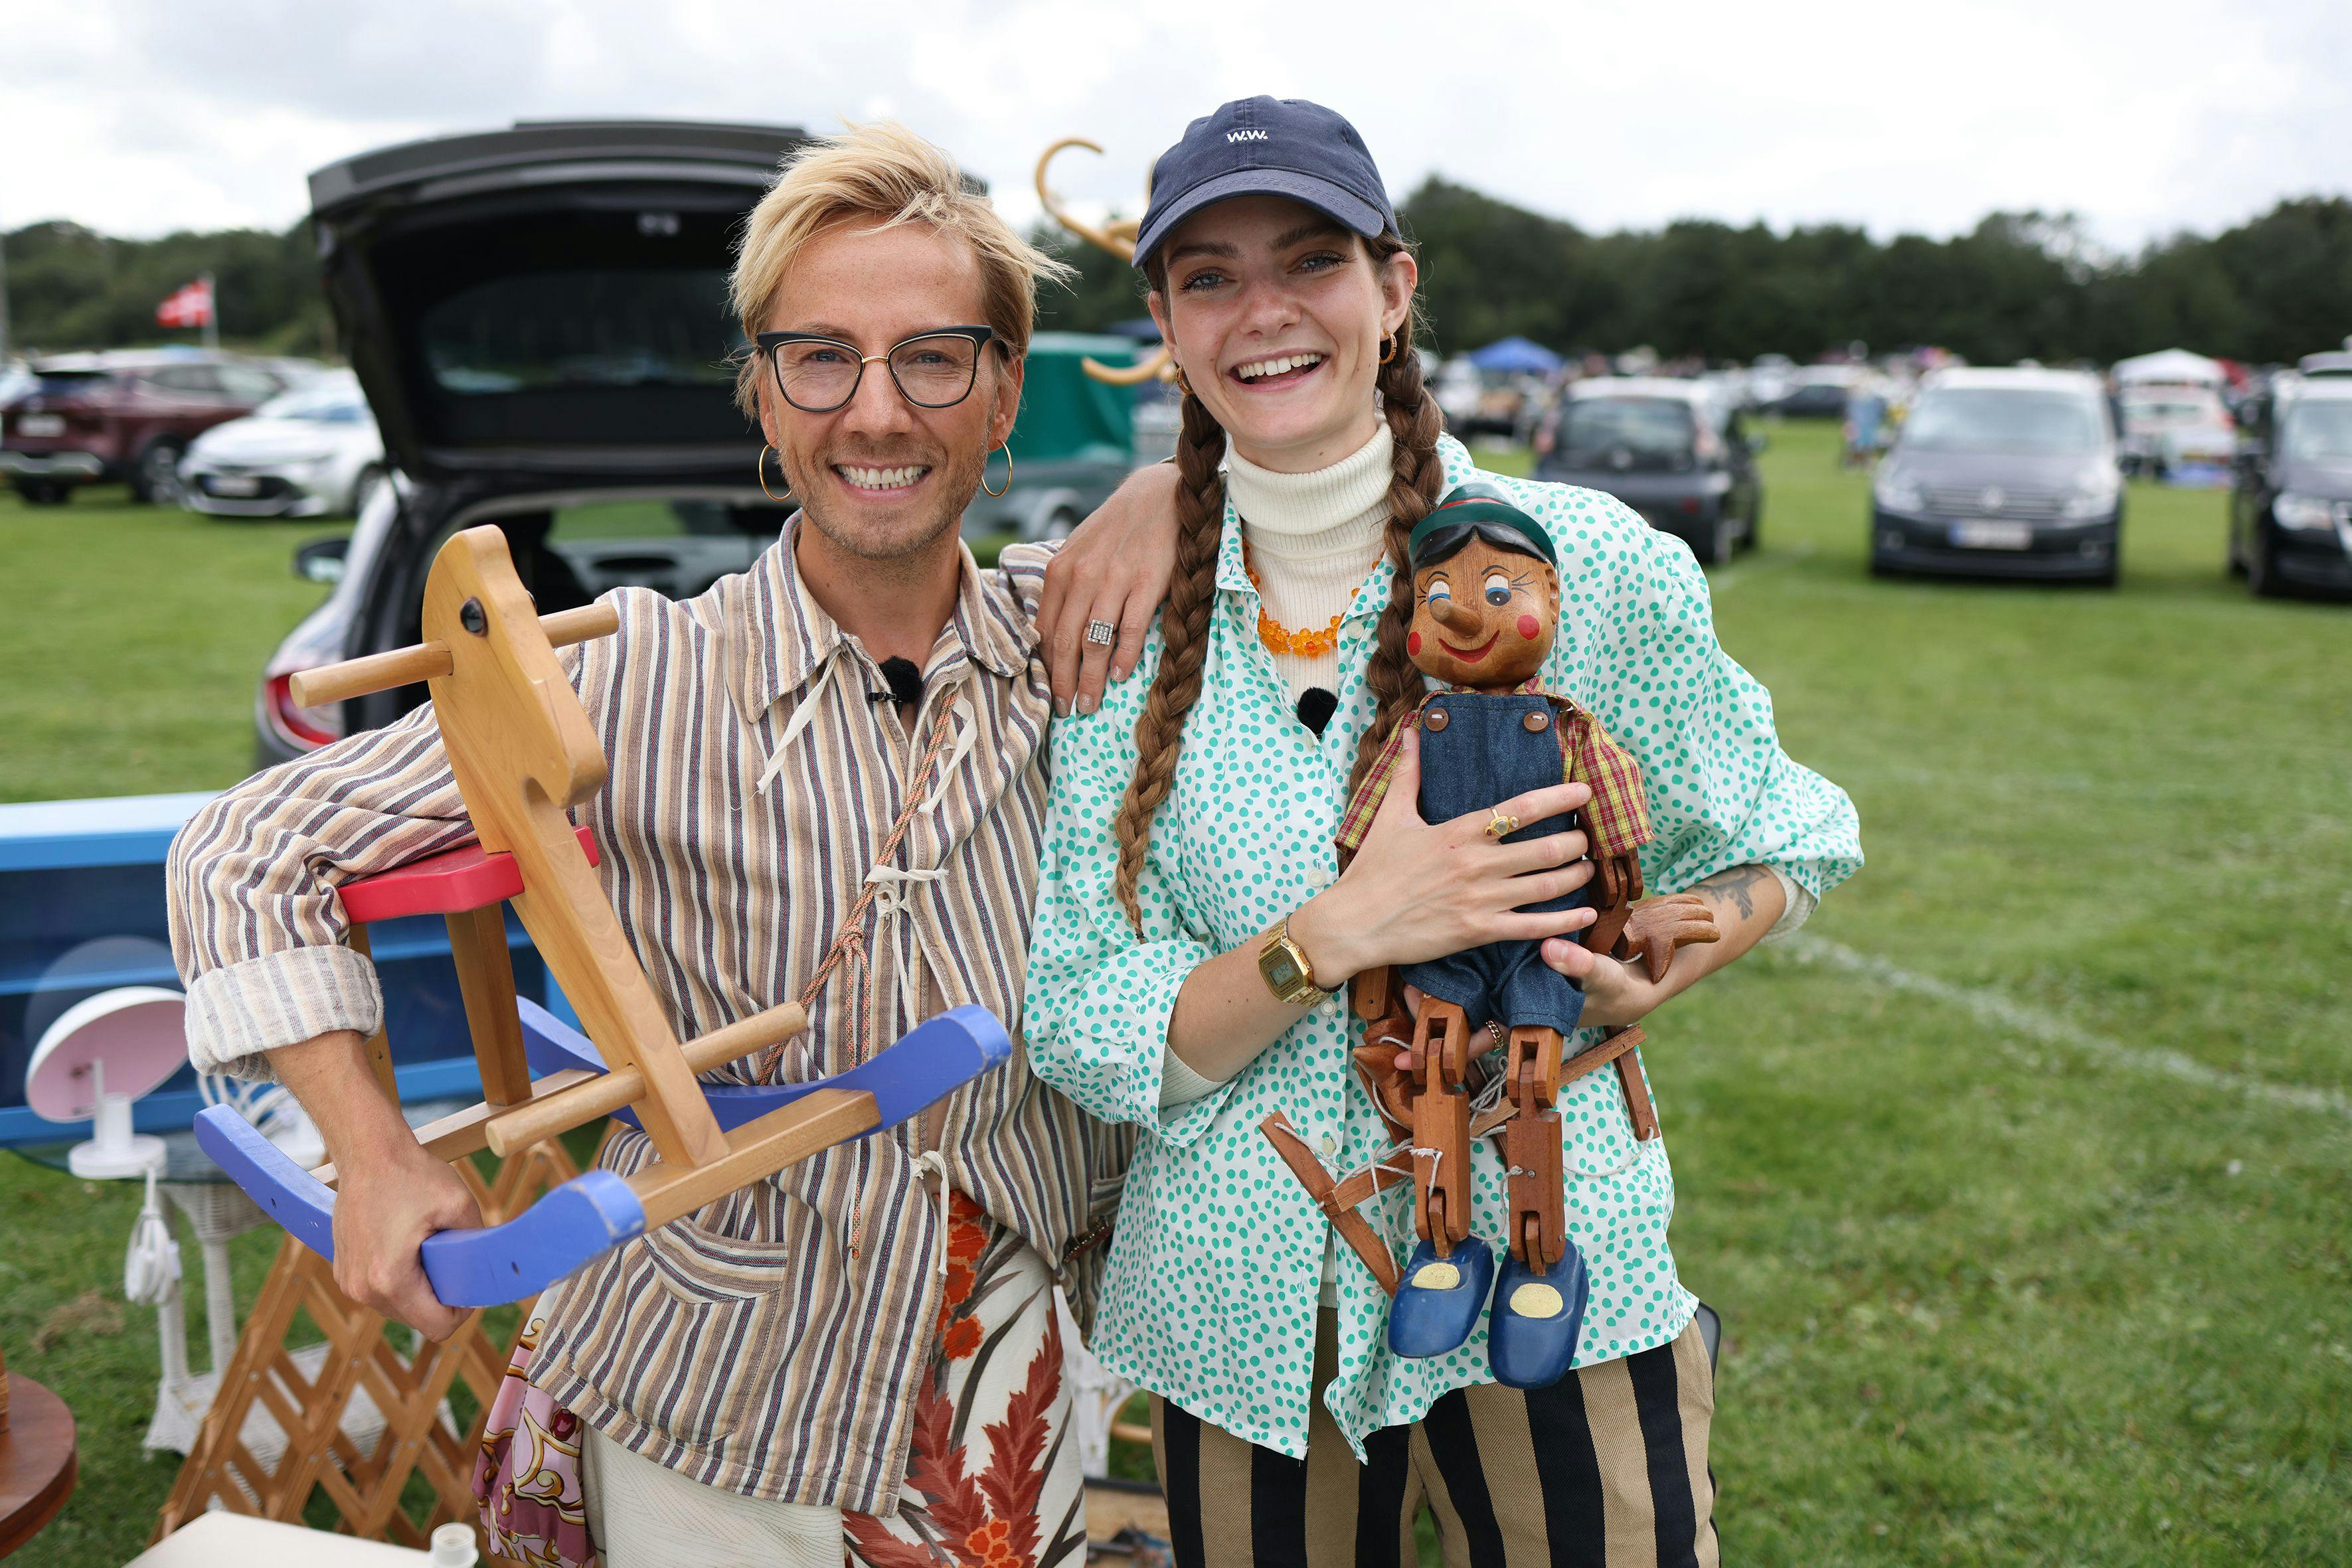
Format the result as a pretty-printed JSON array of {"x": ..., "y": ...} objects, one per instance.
[{"x": 549, "y": 299}]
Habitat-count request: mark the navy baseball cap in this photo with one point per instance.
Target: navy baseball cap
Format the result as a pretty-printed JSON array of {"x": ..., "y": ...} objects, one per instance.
[{"x": 1268, "y": 147}]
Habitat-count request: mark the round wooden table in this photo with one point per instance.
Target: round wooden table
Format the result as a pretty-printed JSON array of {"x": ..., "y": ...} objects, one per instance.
[{"x": 38, "y": 1460}]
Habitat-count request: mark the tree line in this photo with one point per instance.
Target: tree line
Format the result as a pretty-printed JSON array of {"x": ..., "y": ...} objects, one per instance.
[{"x": 2017, "y": 285}]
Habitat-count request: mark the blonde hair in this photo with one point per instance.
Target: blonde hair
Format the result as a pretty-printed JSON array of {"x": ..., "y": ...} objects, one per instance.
[{"x": 882, "y": 170}]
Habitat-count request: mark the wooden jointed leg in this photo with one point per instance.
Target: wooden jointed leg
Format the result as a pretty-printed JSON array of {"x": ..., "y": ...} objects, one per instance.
[
  {"x": 1531, "y": 1149},
  {"x": 1440, "y": 1126}
]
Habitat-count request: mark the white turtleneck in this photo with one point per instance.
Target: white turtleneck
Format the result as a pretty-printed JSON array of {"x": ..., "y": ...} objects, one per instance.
[{"x": 1312, "y": 537}]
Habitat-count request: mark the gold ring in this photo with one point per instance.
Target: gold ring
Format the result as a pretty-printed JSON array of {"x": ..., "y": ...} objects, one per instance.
[{"x": 1500, "y": 823}]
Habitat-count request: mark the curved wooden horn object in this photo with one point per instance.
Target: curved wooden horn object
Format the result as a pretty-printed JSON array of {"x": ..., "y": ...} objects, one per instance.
[
  {"x": 1120, "y": 245},
  {"x": 1118, "y": 236}
]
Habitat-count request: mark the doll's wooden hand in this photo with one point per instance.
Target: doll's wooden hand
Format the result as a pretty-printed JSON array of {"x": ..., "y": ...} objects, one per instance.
[{"x": 1659, "y": 925}]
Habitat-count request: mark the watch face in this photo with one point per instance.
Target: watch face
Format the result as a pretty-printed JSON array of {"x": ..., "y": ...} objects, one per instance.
[{"x": 1281, "y": 971}]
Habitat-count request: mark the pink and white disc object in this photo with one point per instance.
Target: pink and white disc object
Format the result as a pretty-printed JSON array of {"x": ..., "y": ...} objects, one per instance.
[{"x": 102, "y": 1053}]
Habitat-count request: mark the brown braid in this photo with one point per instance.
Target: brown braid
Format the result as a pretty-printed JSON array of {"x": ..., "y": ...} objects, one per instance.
[
  {"x": 1413, "y": 488},
  {"x": 1184, "y": 644}
]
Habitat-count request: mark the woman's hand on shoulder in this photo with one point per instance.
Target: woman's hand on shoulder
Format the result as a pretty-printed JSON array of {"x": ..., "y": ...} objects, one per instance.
[{"x": 1114, "y": 569}]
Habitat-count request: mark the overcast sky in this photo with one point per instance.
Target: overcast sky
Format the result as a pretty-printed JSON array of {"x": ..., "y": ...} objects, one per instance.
[{"x": 139, "y": 117}]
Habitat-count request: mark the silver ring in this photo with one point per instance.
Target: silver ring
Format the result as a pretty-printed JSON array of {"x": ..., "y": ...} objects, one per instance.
[{"x": 1101, "y": 632}]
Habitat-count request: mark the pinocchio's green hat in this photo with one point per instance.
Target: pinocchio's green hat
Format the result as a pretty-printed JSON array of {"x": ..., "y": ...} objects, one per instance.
[{"x": 1479, "y": 510}]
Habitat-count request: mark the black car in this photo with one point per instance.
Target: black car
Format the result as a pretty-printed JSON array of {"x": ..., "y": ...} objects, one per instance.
[
  {"x": 2290, "y": 507},
  {"x": 538, "y": 318},
  {"x": 2002, "y": 472},
  {"x": 1669, "y": 449}
]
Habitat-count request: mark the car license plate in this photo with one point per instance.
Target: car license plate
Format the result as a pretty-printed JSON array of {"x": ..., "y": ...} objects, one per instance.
[
  {"x": 235, "y": 484},
  {"x": 1992, "y": 536},
  {"x": 40, "y": 425}
]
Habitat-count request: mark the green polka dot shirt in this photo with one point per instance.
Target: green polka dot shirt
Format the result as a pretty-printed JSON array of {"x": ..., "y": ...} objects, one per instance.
[{"x": 1216, "y": 1263}]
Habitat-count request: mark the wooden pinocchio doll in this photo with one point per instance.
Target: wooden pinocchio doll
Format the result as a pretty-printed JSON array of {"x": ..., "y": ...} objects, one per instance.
[{"x": 1487, "y": 607}]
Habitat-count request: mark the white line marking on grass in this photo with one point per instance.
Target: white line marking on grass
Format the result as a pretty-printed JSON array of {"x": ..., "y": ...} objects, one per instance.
[{"x": 2037, "y": 1024}]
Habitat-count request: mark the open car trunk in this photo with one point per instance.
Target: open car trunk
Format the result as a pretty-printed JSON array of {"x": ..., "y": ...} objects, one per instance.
[{"x": 548, "y": 300}]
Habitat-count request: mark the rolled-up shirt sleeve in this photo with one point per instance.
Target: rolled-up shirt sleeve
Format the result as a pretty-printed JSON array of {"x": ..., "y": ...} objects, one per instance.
[
  {"x": 1101, "y": 995},
  {"x": 1722, "y": 791},
  {"x": 257, "y": 932}
]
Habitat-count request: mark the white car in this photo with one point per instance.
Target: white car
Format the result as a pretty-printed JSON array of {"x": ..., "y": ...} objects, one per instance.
[
  {"x": 305, "y": 453},
  {"x": 2167, "y": 428}
]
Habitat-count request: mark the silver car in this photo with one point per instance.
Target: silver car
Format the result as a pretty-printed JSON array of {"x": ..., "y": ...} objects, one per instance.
[{"x": 304, "y": 453}]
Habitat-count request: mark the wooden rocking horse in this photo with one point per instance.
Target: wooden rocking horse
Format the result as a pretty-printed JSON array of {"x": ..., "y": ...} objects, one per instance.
[{"x": 523, "y": 753}]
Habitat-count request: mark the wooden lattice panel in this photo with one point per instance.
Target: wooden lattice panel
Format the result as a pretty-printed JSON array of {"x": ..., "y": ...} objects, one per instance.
[{"x": 367, "y": 1489}]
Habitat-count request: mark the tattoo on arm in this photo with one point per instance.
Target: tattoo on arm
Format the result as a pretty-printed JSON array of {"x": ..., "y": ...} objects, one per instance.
[{"x": 1736, "y": 886}]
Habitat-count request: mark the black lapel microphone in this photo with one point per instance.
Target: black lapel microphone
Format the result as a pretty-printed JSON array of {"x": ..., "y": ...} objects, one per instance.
[
  {"x": 1316, "y": 706},
  {"x": 906, "y": 682}
]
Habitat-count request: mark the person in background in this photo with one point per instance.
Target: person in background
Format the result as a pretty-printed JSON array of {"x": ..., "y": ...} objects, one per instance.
[{"x": 1193, "y": 930}]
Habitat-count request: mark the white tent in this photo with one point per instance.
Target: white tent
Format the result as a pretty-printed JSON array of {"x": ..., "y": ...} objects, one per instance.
[{"x": 2175, "y": 367}]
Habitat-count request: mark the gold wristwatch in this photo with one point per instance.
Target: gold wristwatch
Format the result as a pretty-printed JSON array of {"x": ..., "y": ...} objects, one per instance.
[{"x": 1286, "y": 972}]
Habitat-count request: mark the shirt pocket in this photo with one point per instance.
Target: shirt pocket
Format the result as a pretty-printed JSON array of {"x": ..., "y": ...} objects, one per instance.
[
  {"x": 689, "y": 1337},
  {"x": 705, "y": 1268}
]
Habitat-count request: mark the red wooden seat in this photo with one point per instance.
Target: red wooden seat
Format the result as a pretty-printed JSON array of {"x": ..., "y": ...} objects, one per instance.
[
  {"x": 467, "y": 887},
  {"x": 468, "y": 877}
]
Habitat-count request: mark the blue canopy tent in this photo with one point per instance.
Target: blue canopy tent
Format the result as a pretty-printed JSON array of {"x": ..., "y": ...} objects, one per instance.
[{"x": 1515, "y": 356}]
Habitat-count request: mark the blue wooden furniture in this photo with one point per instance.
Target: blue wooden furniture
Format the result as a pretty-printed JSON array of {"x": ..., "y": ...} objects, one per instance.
[{"x": 82, "y": 911}]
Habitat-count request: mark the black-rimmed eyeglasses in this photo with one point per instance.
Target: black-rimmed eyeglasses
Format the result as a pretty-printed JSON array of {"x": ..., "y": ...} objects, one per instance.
[{"x": 818, "y": 374}]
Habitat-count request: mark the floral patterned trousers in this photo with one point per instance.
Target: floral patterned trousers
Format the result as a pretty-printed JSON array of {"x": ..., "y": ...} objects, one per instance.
[{"x": 992, "y": 1481}]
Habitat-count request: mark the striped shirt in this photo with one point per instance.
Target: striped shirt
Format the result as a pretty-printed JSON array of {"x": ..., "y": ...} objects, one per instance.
[
  {"x": 771, "y": 1344},
  {"x": 1617, "y": 817}
]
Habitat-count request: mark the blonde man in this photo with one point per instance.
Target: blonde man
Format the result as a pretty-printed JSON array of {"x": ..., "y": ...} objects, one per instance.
[{"x": 861, "y": 1349}]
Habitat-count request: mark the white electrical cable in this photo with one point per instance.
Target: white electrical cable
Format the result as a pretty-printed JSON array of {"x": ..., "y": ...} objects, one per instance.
[{"x": 151, "y": 1265}]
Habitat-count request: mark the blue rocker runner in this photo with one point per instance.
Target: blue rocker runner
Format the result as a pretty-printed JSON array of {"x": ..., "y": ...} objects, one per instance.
[{"x": 523, "y": 753}]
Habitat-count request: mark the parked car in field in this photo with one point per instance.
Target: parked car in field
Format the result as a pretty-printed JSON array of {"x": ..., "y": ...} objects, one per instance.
[
  {"x": 537, "y": 315},
  {"x": 1818, "y": 391},
  {"x": 2290, "y": 507},
  {"x": 122, "y": 414},
  {"x": 1671, "y": 450},
  {"x": 1767, "y": 380},
  {"x": 303, "y": 454},
  {"x": 2167, "y": 428},
  {"x": 2001, "y": 473}
]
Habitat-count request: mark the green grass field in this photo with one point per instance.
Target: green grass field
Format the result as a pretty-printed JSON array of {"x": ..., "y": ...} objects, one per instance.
[{"x": 2019, "y": 1176}]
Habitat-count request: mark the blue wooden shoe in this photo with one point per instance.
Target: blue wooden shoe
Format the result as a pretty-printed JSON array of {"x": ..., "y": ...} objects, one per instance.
[
  {"x": 1531, "y": 1331},
  {"x": 1437, "y": 1305}
]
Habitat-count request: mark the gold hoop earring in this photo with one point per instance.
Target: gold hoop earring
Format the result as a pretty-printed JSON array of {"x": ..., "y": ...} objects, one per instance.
[
  {"x": 1181, "y": 384},
  {"x": 763, "y": 472},
  {"x": 1007, "y": 450},
  {"x": 1390, "y": 345}
]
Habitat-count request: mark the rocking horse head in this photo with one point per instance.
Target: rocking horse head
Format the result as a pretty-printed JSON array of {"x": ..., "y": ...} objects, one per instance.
[{"x": 518, "y": 729}]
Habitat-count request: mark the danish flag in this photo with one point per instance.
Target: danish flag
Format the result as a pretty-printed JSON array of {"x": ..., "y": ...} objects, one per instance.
[{"x": 190, "y": 306}]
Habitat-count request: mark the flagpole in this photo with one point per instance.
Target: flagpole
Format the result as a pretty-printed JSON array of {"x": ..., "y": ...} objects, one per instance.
[{"x": 212, "y": 314}]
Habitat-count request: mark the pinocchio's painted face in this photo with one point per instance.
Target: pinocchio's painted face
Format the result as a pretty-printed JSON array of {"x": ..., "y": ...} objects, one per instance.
[{"x": 1484, "y": 617}]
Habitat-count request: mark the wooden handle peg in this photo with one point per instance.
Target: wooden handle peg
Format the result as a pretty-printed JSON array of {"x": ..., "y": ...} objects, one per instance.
[{"x": 430, "y": 660}]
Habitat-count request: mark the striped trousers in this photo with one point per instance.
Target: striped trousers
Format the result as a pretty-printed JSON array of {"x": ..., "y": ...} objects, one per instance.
[{"x": 1607, "y": 1467}]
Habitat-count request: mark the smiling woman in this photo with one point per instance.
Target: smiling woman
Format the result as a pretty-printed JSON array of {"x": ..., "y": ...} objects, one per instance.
[{"x": 1195, "y": 918}]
